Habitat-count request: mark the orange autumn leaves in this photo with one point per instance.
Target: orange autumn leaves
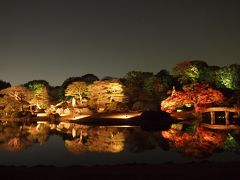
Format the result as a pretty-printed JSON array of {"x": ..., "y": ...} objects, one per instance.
[
  {"x": 198, "y": 95},
  {"x": 202, "y": 144}
]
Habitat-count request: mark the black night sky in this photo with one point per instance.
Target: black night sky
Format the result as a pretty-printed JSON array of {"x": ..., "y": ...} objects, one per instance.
[{"x": 57, "y": 39}]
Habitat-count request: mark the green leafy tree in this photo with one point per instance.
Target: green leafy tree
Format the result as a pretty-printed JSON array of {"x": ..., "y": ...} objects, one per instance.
[
  {"x": 228, "y": 77},
  {"x": 41, "y": 98},
  {"x": 190, "y": 71},
  {"x": 41, "y": 89},
  {"x": 231, "y": 144},
  {"x": 34, "y": 82}
]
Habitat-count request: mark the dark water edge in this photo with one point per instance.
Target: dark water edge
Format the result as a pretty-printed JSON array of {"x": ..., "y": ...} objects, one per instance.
[{"x": 203, "y": 170}]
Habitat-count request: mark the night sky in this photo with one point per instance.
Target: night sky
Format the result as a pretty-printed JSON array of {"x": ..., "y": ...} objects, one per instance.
[{"x": 57, "y": 39}]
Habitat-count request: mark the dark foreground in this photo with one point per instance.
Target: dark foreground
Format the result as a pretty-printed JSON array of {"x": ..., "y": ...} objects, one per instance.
[{"x": 133, "y": 171}]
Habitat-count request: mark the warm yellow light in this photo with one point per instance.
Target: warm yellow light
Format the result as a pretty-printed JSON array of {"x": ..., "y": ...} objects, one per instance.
[
  {"x": 122, "y": 115},
  {"x": 188, "y": 105},
  {"x": 42, "y": 114},
  {"x": 80, "y": 117},
  {"x": 39, "y": 123},
  {"x": 62, "y": 114},
  {"x": 124, "y": 126},
  {"x": 42, "y": 122}
]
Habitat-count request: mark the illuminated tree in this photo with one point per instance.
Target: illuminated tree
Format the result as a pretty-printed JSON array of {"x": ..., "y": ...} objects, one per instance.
[
  {"x": 9, "y": 106},
  {"x": 65, "y": 84},
  {"x": 228, "y": 77},
  {"x": 77, "y": 90},
  {"x": 106, "y": 95},
  {"x": 40, "y": 90},
  {"x": 190, "y": 71},
  {"x": 19, "y": 93},
  {"x": 34, "y": 82},
  {"x": 197, "y": 95}
]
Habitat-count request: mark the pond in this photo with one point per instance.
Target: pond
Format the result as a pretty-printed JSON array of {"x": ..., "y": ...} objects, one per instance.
[{"x": 68, "y": 144}]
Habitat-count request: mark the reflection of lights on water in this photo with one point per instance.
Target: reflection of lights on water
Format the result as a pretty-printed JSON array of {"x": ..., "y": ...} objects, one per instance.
[
  {"x": 42, "y": 114},
  {"x": 79, "y": 117},
  {"x": 123, "y": 126},
  {"x": 39, "y": 123},
  {"x": 122, "y": 116},
  {"x": 62, "y": 114},
  {"x": 42, "y": 122},
  {"x": 113, "y": 116}
]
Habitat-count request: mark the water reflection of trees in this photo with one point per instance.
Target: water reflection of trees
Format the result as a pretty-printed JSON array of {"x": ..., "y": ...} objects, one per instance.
[
  {"x": 98, "y": 139},
  {"x": 17, "y": 136},
  {"x": 186, "y": 139},
  {"x": 109, "y": 139},
  {"x": 199, "y": 142}
]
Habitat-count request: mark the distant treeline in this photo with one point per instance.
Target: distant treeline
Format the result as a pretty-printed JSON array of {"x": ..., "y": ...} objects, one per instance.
[{"x": 143, "y": 90}]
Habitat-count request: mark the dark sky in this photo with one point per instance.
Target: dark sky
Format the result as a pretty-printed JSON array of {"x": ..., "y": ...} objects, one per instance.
[{"x": 57, "y": 39}]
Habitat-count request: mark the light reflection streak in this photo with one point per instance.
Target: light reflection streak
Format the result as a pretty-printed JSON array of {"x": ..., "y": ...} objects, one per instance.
[{"x": 122, "y": 115}]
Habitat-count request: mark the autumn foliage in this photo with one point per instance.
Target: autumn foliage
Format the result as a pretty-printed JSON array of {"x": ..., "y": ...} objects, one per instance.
[
  {"x": 197, "y": 95},
  {"x": 202, "y": 144}
]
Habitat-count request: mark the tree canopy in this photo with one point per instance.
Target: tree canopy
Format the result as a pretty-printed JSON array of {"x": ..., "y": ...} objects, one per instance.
[
  {"x": 228, "y": 77},
  {"x": 197, "y": 95},
  {"x": 189, "y": 72},
  {"x": 89, "y": 78},
  {"x": 77, "y": 90}
]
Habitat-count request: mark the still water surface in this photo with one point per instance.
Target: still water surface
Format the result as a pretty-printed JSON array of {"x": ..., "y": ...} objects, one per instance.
[{"x": 67, "y": 144}]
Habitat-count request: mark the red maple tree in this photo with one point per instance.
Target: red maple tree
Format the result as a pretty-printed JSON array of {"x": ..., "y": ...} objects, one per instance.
[{"x": 198, "y": 95}]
